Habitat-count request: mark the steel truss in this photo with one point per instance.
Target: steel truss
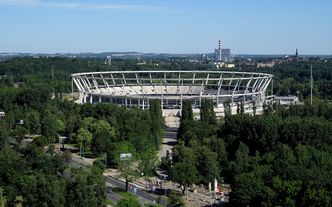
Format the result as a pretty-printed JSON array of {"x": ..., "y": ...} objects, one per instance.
[{"x": 136, "y": 88}]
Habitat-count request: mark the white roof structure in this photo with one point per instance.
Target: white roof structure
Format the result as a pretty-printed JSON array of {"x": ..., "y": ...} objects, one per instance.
[{"x": 136, "y": 88}]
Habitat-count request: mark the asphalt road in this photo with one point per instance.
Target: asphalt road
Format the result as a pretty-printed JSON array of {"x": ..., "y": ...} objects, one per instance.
[
  {"x": 144, "y": 197},
  {"x": 114, "y": 197},
  {"x": 169, "y": 140}
]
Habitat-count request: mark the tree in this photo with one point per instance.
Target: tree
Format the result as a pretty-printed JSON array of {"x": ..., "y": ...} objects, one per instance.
[
  {"x": 67, "y": 156},
  {"x": 207, "y": 164},
  {"x": 249, "y": 189},
  {"x": 104, "y": 134},
  {"x": 218, "y": 146},
  {"x": 60, "y": 126},
  {"x": 130, "y": 202},
  {"x": 242, "y": 108},
  {"x": 72, "y": 123},
  {"x": 86, "y": 189},
  {"x": 227, "y": 109},
  {"x": 157, "y": 122},
  {"x": 84, "y": 138},
  {"x": 184, "y": 170},
  {"x": 19, "y": 201},
  {"x": 32, "y": 122},
  {"x": 2, "y": 198},
  {"x": 207, "y": 113},
  {"x": 126, "y": 165},
  {"x": 242, "y": 159},
  {"x": 20, "y": 132},
  {"x": 187, "y": 111},
  {"x": 4, "y": 137},
  {"x": 148, "y": 162},
  {"x": 49, "y": 125},
  {"x": 127, "y": 170},
  {"x": 254, "y": 108},
  {"x": 175, "y": 199}
]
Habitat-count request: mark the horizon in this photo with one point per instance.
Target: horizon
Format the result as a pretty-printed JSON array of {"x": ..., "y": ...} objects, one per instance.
[
  {"x": 186, "y": 27},
  {"x": 157, "y": 53}
]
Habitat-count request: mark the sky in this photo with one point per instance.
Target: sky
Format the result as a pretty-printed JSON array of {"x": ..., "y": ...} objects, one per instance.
[{"x": 166, "y": 26}]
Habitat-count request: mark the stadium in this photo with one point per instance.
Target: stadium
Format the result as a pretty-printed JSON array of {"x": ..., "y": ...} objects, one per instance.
[{"x": 137, "y": 88}]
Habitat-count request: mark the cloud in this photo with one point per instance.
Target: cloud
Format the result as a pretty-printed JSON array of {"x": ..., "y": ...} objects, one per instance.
[{"x": 81, "y": 5}]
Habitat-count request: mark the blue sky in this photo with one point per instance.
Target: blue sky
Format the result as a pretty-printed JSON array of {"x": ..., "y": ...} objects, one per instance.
[{"x": 174, "y": 26}]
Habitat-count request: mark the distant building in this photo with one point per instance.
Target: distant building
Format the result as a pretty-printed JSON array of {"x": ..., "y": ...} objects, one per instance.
[
  {"x": 217, "y": 64},
  {"x": 2, "y": 114},
  {"x": 141, "y": 63},
  {"x": 265, "y": 65},
  {"x": 229, "y": 65},
  {"x": 286, "y": 100},
  {"x": 108, "y": 60},
  {"x": 222, "y": 54},
  {"x": 205, "y": 58}
]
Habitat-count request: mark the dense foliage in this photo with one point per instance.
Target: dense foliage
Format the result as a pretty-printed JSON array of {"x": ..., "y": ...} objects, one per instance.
[
  {"x": 293, "y": 78},
  {"x": 33, "y": 174},
  {"x": 290, "y": 78},
  {"x": 283, "y": 158},
  {"x": 277, "y": 159},
  {"x": 41, "y": 179}
]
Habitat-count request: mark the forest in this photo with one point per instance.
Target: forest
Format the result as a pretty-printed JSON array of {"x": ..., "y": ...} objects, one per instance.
[
  {"x": 281, "y": 158},
  {"x": 34, "y": 174},
  {"x": 290, "y": 78}
]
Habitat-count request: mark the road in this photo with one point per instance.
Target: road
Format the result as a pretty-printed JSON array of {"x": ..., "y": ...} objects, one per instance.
[
  {"x": 114, "y": 197},
  {"x": 169, "y": 140},
  {"x": 143, "y": 196}
]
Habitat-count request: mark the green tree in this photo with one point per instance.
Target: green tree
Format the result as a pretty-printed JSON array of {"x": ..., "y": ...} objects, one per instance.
[
  {"x": 242, "y": 159},
  {"x": 86, "y": 189},
  {"x": 184, "y": 170},
  {"x": 126, "y": 166},
  {"x": 157, "y": 122},
  {"x": 148, "y": 163},
  {"x": 207, "y": 164},
  {"x": 2, "y": 198},
  {"x": 130, "y": 202},
  {"x": 186, "y": 111},
  {"x": 18, "y": 201},
  {"x": 49, "y": 125},
  {"x": 60, "y": 126},
  {"x": 84, "y": 138},
  {"x": 4, "y": 137},
  {"x": 207, "y": 113},
  {"x": 67, "y": 156},
  {"x": 32, "y": 122},
  {"x": 20, "y": 132},
  {"x": 227, "y": 109},
  {"x": 175, "y": 199}
]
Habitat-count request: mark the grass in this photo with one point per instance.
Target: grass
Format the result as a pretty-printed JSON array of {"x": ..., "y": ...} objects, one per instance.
[
  {"x": 152, "y": 205},
  {"x": 124, "y": 194},
  {"x": 110, "y": 202}
]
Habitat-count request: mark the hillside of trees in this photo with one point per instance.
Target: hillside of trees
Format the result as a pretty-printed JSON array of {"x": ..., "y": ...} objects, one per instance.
[{"x": 277, "y": 159}]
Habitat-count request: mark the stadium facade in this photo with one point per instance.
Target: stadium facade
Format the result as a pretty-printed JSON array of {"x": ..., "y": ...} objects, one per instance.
[{"x": 137, "y": 88}]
